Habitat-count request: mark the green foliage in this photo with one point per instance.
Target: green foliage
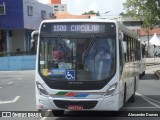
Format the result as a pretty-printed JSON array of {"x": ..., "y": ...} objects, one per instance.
[
  {"x": 91, "y": 12},
  {"x": 146, "y": 10}
]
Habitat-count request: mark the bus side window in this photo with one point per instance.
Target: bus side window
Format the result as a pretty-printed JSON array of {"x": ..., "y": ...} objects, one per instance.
[
  {"x": 120, "y": 57},
  {"x": 143, "y": 51}
]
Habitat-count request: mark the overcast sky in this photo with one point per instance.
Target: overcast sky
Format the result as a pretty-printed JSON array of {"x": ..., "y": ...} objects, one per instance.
[{"x": 80, "y": 6}]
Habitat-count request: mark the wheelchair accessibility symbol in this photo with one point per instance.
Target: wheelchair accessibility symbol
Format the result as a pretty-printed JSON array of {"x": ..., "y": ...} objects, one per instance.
[{"x": 70, "y": 74}]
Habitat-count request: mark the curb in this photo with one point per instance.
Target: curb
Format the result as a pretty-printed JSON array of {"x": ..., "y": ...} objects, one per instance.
[
  {"x": 157, "y": 72},
  {"x": 152, "y": 64}
]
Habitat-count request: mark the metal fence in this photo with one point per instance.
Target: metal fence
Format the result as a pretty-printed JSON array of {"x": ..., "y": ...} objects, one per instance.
[
  {"x": 17, "y": 61},
  {"x": 18, "y": 53}
]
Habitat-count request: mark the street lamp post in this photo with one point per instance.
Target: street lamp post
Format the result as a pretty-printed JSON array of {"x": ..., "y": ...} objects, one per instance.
[
  {"x": 104, "y": 14},
  {"x": 155, "y": 53}
]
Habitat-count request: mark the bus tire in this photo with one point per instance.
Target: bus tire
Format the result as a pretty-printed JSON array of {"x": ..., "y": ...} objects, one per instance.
[
  {"x": 132, "y": 98},
  {"x": 143, "y": 73},
  {"x": 58, "y": 113},
  {"x": 124, "y": 96},
  {"x": 140, "y": 76}
]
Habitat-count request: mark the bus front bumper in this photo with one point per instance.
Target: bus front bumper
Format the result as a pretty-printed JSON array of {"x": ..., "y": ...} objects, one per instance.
[{"x": 100, "y": 104}]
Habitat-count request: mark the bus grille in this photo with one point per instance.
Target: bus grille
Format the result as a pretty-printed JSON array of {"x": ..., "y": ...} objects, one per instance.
[{"x": 85, "y": 104}]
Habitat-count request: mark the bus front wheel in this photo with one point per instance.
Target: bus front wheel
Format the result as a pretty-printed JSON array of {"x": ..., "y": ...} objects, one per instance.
[{"x": 57, "y": 113}]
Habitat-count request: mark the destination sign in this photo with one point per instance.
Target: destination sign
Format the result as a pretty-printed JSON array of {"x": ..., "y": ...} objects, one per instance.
[
  {"x": 67, "y": 28},
  {"x": 78, "y": 28}
]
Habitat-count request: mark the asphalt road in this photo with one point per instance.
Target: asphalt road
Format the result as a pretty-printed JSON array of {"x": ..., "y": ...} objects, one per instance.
[{"x": 17, "y": 94}]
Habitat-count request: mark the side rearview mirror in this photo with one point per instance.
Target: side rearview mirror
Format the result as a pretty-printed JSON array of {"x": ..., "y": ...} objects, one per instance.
[
  {"x": 34, "y": 38},
  {"x": 34, "y": 35}
]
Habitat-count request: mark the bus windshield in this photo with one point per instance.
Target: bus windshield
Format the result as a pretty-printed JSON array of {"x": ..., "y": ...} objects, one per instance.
[
  {"x": 77, "y": 51},
  {"x": 77, "y": 58}
]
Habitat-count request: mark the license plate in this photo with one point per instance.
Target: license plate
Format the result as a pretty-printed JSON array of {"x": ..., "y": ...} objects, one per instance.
[{"x": 75, "y": 107}]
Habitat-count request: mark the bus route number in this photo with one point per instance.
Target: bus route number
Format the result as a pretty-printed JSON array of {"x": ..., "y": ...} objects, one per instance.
[{"x": 61, "y": 28}]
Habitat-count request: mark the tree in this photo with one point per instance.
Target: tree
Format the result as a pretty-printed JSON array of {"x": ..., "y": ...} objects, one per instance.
[
  {"x": 123, "y": 14},
  {"x": 91, "y": 12},
  {"x": 145, "y": 10}
]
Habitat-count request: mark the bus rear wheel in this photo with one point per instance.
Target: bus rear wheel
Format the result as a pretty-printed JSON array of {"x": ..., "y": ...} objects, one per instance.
[
  {"x": 58, "y": 113},
  {"x": 132, "y": 98},
  {"x": 140, "y": 76},
  {"x": 143, "y": 73},
  {"x": 124, "y": 96}
]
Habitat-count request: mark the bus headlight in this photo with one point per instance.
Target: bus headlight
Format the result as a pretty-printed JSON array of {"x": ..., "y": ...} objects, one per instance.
[
  {"x": 41, "y": 89},
  {"x": 111, "y": 89}
]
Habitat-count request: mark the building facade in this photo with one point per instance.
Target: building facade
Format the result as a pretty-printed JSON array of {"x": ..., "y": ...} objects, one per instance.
[
  {"x": 57, "y": 6},
  {"x": 55, "y": 1},
  {"x": 66, "y": 15},
  {"x": 18, "y": 18}
]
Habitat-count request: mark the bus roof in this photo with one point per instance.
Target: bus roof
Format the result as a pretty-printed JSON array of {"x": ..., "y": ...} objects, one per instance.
[
  {"x": 78, "y": 20},
  {"x": 127, "y": 31}
]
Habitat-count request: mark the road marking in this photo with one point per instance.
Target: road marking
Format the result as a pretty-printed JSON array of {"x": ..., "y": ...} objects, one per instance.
[
  {"x": 11, "y": 101},
  {"x": 10, "y": 83},
  {"x": 19, "y": 78},
  {"x": 46, "y": 114},
  {"x": 152, "y": 99},
  {"x": 149, "y": 101}
]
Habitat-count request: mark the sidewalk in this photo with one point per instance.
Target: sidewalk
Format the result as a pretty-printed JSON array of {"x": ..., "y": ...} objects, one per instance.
[{"x": 153, "y": 61}]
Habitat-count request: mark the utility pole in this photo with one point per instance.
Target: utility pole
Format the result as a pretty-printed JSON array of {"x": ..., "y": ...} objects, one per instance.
[{"x": 148, "y": 45}]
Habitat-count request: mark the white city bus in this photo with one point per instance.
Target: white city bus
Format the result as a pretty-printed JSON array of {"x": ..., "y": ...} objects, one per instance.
[{"x": 85, "y": 65}]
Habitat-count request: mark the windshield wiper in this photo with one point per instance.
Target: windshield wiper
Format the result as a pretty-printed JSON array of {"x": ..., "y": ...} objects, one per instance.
[
  {"x": 59, "y": 37},
  {"x": 90, "y": 46}
]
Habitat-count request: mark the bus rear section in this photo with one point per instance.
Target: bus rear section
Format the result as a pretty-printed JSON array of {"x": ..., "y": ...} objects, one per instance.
[{"x": 77, "y": 67}]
